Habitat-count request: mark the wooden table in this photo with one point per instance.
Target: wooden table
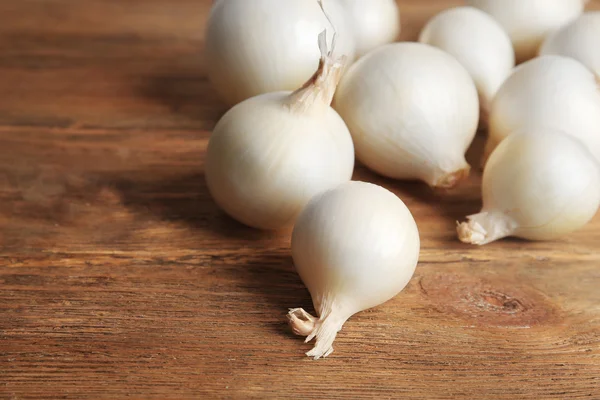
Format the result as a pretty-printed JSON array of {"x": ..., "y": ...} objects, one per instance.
[{"x": 119, "y": 276}]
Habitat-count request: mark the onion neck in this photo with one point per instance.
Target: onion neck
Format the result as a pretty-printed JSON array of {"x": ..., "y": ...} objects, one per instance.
[
  {"x": 323, "y": 329},
  {"x": 318, "y": 91},
  {"x": 485, "y": 227}
]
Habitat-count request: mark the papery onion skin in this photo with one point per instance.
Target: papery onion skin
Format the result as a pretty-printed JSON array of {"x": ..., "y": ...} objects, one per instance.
[
  {"x": 262, "y": 46},
  {"x": 538, "y": 184},
  {"x": 549, "y": 91},
  {"x": 579, "y": 40},
  {"x": 478, "y": 42},
  {"x": 373, "y": 22},
  {"x": 413, "y": 111},
  {"x": 355, "y": 247},
  {"x": 528, "y": 22}
]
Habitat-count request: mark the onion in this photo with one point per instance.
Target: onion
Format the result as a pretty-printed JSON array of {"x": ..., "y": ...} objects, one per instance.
[
  {"x": 538, "y": 184},
  {"x": 372, "y": 22},
  {"x": 355, "y": 247},
  {"x": 261, "y": 46},
  {"x": 271, "y": 153},
  {"x": 412, "y": 110},
  {"x": 579, "y": 40},
  {"x": 550, "y": 91},
  {"x": 478, "y": 42},
  {"x": 528, "y": 22}
]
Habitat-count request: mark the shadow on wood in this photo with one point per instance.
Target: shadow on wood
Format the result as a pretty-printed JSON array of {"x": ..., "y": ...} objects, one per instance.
[
  {"x": 449, "y": 205},
  {"x": 183, "y": 199},
  {"x": 272, "y": 274},
  {"x": 183, "y": 88}
]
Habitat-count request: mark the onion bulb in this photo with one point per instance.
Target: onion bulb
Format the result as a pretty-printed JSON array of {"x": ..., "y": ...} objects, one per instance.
[
  {"x": 271, "y": 153},
  {"x": 355, "y": 247},
  {"x": 528, "y": 22},
  {"x": 478, "y": 42},
  {"x": 412, "y": 110},
  {"x": 372, "y": 22},
  {"x": 537, "y": 185},
  {"x": 549, "y": 91},
  {"x": 579, "y": 40},
  {"x": 262, "y": 46}
]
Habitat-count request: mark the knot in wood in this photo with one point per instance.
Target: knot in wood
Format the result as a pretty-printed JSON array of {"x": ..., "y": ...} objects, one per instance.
[
  {"x": 503, "y": 303},
  {"x": 499, "y": 302}
]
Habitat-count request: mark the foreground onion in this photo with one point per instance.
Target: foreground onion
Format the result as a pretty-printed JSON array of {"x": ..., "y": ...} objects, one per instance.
[{"x": 355, "y": 247}]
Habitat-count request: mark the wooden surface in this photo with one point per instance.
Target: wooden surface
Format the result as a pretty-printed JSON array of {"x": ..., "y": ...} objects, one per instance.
[{"x": 120, "y": 278}]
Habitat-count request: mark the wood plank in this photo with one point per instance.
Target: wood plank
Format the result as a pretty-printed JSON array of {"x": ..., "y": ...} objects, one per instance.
[{"x": 120, "y": 277}]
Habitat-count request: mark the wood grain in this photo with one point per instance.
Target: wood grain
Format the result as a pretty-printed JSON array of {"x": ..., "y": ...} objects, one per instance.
[{"x": 119, "y": 277}]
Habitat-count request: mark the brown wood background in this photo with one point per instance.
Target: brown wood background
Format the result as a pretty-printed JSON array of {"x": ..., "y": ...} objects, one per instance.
[{"x": 120, "y": 278}]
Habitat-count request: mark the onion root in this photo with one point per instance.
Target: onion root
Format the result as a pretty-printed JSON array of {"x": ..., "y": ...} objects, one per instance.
[
  {"x": 484, "y": 228},
  {"x": 323, "y": 329}
]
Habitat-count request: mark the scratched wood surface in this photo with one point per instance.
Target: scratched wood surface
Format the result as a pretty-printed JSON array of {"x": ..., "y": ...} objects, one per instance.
[{"x": 119, "y": 277}]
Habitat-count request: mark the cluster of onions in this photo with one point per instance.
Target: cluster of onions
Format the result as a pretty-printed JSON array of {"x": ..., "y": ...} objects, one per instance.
[
  {"x": 541, "y": 178},
  {"x": 544, "y": 182},
  {"x": 283, "y": 156},
  {"x": 355, "y": 245}
]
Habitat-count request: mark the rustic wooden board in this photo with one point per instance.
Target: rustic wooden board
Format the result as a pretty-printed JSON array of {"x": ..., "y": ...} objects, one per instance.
[{"x": 120, "y": 277}]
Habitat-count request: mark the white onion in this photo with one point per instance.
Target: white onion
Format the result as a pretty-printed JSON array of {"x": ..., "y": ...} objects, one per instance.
[
  {"x": 550, "y": 91},
  {"x": 412, "y": 110},
  {"x": 271, "y": 153},
  {"x": 355, "y": 247},
  {"x": 538, "y": 185},
  {"x": 528, "y": 22},
  {"x": 579, "y": 40},
  {"x": 373, "y": 23},
  {"x": 261, "y": 46},
  {"x": 478, "y": 42}
]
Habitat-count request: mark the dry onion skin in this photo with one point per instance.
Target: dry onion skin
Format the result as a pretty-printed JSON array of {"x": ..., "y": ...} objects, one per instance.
[
  {"x": 480, "y": 44},
  {"x": 355, "y": 247},
  {"x": 538, "y": 184},
  {"x": 413, "y": 111},
  {"x": 263, "y": 46},
  {"x": 528, "y": 22},
  {"x": 270, "y": 154}
]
